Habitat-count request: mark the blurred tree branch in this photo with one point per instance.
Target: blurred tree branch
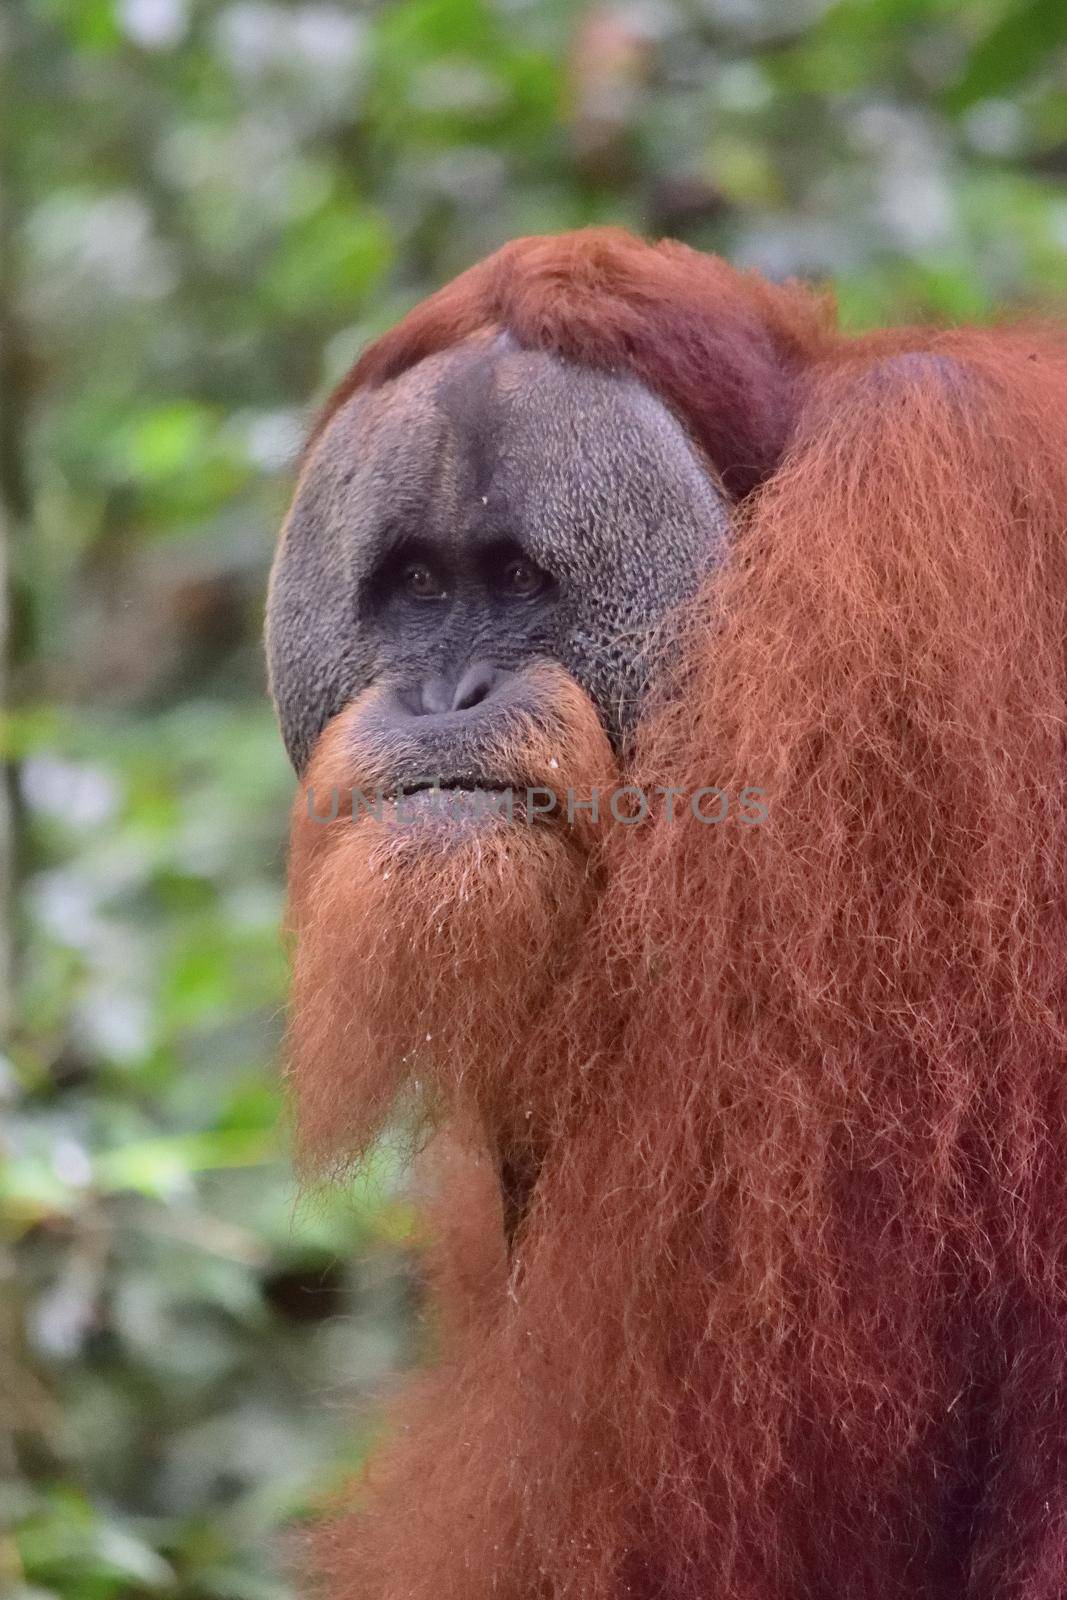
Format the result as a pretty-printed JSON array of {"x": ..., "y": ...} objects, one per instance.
[
  {"x": 14, "y": 487},
  {"x": 19, "y": 1392}
]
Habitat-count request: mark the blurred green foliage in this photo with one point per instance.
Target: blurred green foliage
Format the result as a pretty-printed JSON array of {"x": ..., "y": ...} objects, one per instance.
[{"x": 206, "y": 208}]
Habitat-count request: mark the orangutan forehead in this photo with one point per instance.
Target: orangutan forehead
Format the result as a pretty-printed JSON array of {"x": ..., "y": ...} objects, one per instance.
[
  {"x": 464, "y": 394},
  {"x": 488, "y": 424}
]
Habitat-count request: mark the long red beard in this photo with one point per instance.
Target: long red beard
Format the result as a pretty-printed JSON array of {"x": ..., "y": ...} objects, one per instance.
[{"x": 428, "y": 938}]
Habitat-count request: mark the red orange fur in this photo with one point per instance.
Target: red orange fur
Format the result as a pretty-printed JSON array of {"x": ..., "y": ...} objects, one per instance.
[{"x": 788, "y": 1317}]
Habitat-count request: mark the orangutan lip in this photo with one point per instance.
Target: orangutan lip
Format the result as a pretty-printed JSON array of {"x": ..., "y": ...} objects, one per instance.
[
  {"x": 450, "y": 785},
  {"x": 472, "y": 798}
]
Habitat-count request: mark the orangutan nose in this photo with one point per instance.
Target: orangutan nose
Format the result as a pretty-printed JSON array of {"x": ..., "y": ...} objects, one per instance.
[{"x": 477, "y": 683}]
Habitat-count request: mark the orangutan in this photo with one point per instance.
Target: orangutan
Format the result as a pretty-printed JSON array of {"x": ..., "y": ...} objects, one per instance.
[{"x": 754, "y": 1269}]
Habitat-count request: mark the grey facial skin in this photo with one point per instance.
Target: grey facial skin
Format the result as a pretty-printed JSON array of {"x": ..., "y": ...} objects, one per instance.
[{"x": 472, "y": 461}]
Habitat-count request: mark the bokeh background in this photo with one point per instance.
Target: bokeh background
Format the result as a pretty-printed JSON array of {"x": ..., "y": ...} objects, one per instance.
[{"x": 205, "y": 210}]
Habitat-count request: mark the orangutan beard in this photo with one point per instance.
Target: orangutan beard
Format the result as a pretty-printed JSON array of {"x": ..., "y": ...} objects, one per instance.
[{"x": 431, "y": 930}]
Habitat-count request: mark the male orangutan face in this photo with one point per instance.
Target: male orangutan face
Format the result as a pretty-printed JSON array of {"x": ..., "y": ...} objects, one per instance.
[{"x": 488, "y": 509}]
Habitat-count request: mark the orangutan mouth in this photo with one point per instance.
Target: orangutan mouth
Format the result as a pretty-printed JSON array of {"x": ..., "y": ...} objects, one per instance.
[
  {"x": 451, "y": 785},
  {"x": 468, "y": 800}
]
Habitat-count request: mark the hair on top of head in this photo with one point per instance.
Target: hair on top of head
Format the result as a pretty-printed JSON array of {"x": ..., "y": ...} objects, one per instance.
[{"x": 721, "y": 347}]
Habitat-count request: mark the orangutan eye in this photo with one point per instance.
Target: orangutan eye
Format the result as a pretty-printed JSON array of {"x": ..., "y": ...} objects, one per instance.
[
  {"x": 521, "y": 578},
  {"x": 421, "y": 582}
]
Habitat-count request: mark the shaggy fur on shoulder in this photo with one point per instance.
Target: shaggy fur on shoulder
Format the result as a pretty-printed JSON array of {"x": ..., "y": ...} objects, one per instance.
[{"x": 787, "y": 1316}]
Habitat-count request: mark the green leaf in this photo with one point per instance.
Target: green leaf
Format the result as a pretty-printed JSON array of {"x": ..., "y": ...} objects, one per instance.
[{"x": 1027, "y": 38}]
